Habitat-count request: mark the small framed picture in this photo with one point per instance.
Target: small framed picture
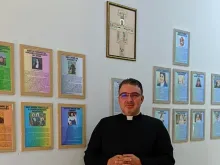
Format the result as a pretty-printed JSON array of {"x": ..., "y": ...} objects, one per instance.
[
  {"x": 215, "y": 89},
  {"x": 115, "y": 82},
  {"x": 215, "y": 124}
]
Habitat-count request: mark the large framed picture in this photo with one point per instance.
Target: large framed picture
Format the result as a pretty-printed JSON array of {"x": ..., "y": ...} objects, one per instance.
[
  {"x": 215, "y": 89},
  {"x": 198, "y": 83},
  {"x": 71, "y": 75},
  {"x": 36, "y": 71},
  {"x": 36, "y": 126},
  {"x": 180, "y": 86},
  {"x": 181, "y": 47},
  {"x": 215, "y": 124},
  {"x": 121, "y": 32},
  {"x": 197, "y": 125},
  {"x": 161, "y": 85},
  {"x": 72, "y": 126},
  {"x": 7, "y": 68},
  {"x": 115, "y": 82}
]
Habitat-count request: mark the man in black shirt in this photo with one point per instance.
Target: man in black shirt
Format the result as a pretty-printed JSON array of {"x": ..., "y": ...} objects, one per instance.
[{"x": 130, "y": 138}]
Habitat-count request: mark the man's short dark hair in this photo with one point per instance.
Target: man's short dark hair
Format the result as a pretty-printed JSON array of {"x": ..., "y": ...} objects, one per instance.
[{"x": 131, "y": 81}]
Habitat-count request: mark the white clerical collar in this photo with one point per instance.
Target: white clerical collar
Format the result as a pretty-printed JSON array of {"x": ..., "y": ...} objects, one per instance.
[{"x": 131, "y": 117}]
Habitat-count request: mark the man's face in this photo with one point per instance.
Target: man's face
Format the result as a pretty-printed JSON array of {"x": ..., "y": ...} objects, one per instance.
[{"x": 130, "y": 99}]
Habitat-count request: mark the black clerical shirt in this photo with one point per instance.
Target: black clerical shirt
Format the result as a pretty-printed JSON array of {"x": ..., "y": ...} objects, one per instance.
[{"x": 144, "y": 136}]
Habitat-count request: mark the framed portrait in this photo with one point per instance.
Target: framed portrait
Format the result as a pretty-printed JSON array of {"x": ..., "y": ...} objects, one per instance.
[
  {"x": 197, "y": 125},
  {"x": 197, "y": 87},
  {"x": 37, "y": 126},
  {"x": 161, "y": 85},
  {"x": 121, "y": 32},
  {"x": 215, "y": 124},
  {"x": 72, "y": 126},
  {"x": 71, "y": 75},
  {"x": 7, "y": 68},
  {"x": 181, "y": 47},
  {"x": 115, "y": 82},
  {"x": 7, "y": 127},
  {"x": 163, "y": 114},
  {"x": 180, "y": 125},
  {"x": 215, "y": 89},
  {"x": 180, "y": 86},
  {"x": 36, "y": 71}
]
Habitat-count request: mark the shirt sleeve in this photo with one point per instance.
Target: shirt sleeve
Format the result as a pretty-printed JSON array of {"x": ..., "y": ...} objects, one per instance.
[{"x": 163, "y": 149}]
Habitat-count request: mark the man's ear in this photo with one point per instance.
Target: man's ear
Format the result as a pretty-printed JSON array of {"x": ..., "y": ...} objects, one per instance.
[{"x": 142, "y": 98}]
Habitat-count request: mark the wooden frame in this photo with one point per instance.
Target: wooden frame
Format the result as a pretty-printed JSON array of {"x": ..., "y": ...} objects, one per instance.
[
  {"x": 114, "y": 96},
  {"x": 166, "y": 88},
  {"x": 185, "y": 35},
  {"x": 32, "y": 54},
  {"x": 182, "y": 82},
  {"x": 201, "y": 117},
  {"x": 120, "y": 43},
  {"x": 7, "y": 122},
  {"x": 8, "y": 52},
  {"x": 36, "y": 110},
  {"x": 215, "y": 89},
  {"x": 71, "y": 127},
  {"x": 215, "y": 112},
  {"x": 200, "y": 86},
  {"x": 75, "y": 60},
  {"x": 175, "y": 121}
]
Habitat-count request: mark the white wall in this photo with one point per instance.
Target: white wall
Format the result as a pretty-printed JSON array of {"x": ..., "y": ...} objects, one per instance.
[{"x": 79, "y": 26}]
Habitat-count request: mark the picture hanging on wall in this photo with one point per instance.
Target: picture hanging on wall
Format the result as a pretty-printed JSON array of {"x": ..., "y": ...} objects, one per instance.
[
  {"x": 180, "y": 86},
  {"x": 215, "y": 89},
  {"x": 121, "y": 32},
  {"x": 198, "y": 80},
  {"x": 71, "y": 75},
  {"x": 37, "y": 126},
  {"x": 36, "y": 71},
  {"x": 71, "y": 124},
  {"x": 115, "y": 82},
  {"x": 180, "y": 125},
  {"x": 197, "y": 125},
  {"x": 181, "y": 47},
  {"x": 161, "y": 85},
  {"x": 215, "y": 124},
  {"x": 7, "y": 68},
  {"x": 7, "y": 127}
]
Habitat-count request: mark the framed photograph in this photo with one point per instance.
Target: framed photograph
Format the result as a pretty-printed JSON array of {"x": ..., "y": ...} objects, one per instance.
[
  {"x": 115, "y": 82},
  {"x": 7, "y": 68},
  {"x": 71, "y": 75},
  {"x": 180, "y": 125},
  {"x": 181, "y": 47},
  {"x": 121, "y": 32},
  {"x": 163, "y": 114},
  {"x": 161, "y": 85},
  {"x": 72, "y": 126},
  {"x": 36, "y": 71},
  {"x": 197, "y": 87},
  {"x": 37, "y": 126},
  {"x": 215, "y": 91},
  {"x": 215, "y": 124},
  {"x": 197, "y": 125},
  {"x": 7, "y": 127},
  {"x": 180, "y": 86}
]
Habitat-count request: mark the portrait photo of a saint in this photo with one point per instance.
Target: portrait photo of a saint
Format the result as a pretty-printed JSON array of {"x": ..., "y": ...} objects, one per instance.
[
  {"x": 72, "y": 118},
  {"x": 37, "y": 119},
  {"x": 2, "y": 59},
  {"x": 181, "y": 119},
  {"x": 198, "y": 83},
  {"x": 36, "y": 63},
  {"x": 71, "y": 67},
  {"x": 1, "y": 120},
  {"x": 162, "y": 79},
  {"x": 217, "y": 84},
  {"x": 198, "y": 117}
]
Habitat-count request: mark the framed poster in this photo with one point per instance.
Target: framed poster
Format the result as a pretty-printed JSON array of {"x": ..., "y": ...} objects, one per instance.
[
  {"x": 163, "y": 114},
  {"x": 115, "y": 82},
  {"x": 181, "y": 47},
  {"x": 37, "y": 126},
  {"x": 72, "y": 126},
  {"x": 121, "y": 32},
  {"x": 161, "y": 85},
  {"x": 180, "y": 86},
  {"x": 36, "y": 71},
  {"x": 7, "y": 127},
  {"x": 71, "y": 75},
  {"x": 7, "y": 68},
  {"x": 197, "y": 125},
  {"x": 180, "y": 125},
  {"x": 215, "y": 124},
  {"x": 197, "y": 87},
  {"x": 215, "y": 89}
]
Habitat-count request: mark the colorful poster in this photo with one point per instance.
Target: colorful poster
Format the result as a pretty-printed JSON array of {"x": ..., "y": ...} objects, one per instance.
[
  {"x": 6, "y": 68},
  {"x": 71, "y": 75},
  {"x": 37, "y": 126},
  {"x": 215, "y": 98},
  {"x": 7, "y": 133},
  {"x": 115, "y": 105},
  {"x": 71, "y": 126},
  {"x": 36, "y": 71},
  {"x": 215, "y": 124}
]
